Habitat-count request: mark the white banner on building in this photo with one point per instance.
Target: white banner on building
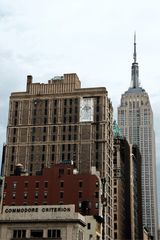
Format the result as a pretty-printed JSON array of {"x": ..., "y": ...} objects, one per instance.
[{"x": 86, "y": 109}]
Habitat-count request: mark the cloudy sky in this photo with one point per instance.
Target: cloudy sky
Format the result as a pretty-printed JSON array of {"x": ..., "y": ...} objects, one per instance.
[{"x": 90, "y": 37}]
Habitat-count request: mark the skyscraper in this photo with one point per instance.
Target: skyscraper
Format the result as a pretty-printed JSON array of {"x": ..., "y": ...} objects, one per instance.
[
  {"x": 59, "y": 121},
  {"x": 126, "y": 189},
  {"x": 135, "y": 119}
]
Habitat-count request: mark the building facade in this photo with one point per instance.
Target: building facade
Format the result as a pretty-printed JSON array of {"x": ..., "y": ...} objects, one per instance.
[
  {"x": 58, "y": 122},
  {"x": 135, "y": 119},
  {"x": 59, "y": 222},
  {"x": 54, "y": 187},
  {"x": 126, "y": 190}
]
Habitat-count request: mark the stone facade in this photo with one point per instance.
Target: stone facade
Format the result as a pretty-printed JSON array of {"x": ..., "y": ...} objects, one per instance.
[
  {"x": 60, "y": 121},
  {"x": 46, "y": 222}
]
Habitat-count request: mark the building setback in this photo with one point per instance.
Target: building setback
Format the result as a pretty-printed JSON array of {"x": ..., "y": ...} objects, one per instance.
[
  {"x": 135, "y": 119},
  {"x": 58, "y": 122}
]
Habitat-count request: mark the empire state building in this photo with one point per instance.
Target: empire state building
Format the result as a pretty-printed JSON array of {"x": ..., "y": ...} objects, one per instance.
[{"x": 135, "y": 119}]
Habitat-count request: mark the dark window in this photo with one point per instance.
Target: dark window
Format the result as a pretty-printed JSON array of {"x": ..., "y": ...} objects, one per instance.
[
  {"x": 25, "y": 184},
  {"x": 43, "y": 148},
  {"x": 88, "y": 226},
  {"x": 11, "y": 168},
  {"x": 61, "y": 171},
  {"x": 45, "y": 194},
  {"x": 54, "y": 233},
  {"x": 12, "y": 159},
  {"x": 19, "y": 234},
  {"x": 61, "y": 194},
  {"x": 62, "y": 184},
  {"x": 13, "y": 195},
  {"x": 80, "y": 183},
  {"x": 115, "y": 226},
  {"x": 80, "y": 194},
  {"x": 37, "y": 184},
  {"x": 37, "y": 233},
  {"x": 96, "y": 194},
  {"x": 25, "y": 195},
  {"x": 54, "y": 128},
  {"x": 45, "y": 120},
  {"x": 45, "y": 184},
  {"x": 43, "y": 157}
]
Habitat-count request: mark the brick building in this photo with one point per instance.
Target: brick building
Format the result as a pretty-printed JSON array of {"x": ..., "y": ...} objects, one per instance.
[
  {"x": 59, "y": 121},
  {"x": 61, "y": 184}
]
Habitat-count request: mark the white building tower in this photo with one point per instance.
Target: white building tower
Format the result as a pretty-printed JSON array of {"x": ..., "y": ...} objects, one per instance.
[{"x": 135, "y": 119}]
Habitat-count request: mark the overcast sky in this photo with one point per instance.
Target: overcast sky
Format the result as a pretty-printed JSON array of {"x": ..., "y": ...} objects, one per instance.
[{"x": 93, "y": 38}]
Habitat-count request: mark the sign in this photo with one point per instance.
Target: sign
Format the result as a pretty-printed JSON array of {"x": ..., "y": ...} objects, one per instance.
[{"x": 86, "y": 110}]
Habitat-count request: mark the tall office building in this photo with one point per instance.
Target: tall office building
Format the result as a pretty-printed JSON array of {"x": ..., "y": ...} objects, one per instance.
[
  {"x": 126, "y": 189},
  {"x": 135, "y": 119},
  {"x": 57, "y": 122}
]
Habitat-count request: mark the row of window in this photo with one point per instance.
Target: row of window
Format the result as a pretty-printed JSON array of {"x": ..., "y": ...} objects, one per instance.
[
  {"x": 45, "y": 195},
  {"x": 36, "y": 233}
]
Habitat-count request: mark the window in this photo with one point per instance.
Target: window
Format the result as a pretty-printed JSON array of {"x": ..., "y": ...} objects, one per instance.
[
  {"x": 80, "y": 194},
  {"x": 54, "y": 233},
  {"x": 88, "y": 226},
  {"x": 36, "y": 194},
  {"x": 37, "y": 233},
  {"x": 37, "y": 184},
  {"x": 5, "y": 185},
  {"x": 80, "y": 184},
  {"x": 14, "y": 185},
  {"x": 62, "y": 184},
  {"x": 45, "y": 184},
  {"x": 96, "y": 205},
  {"x": 96, "y": 194},
  {"x": 13, "y": 195},
  {"x": 61, "y": 171},
  {"x": 61, "y": 194},
  {"x": 45, "y": 194},
  {"x": 115, "y": 226},
  {"x": 19, "y": 234},
  {"x": 25, "y": 195}
]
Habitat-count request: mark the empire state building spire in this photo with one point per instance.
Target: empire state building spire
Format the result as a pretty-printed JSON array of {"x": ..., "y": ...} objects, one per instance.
[{"x": 135, "y": 69}]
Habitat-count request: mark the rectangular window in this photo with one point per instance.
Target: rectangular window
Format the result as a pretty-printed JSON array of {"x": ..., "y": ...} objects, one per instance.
[
  {"x": 37, "y": 184},
  {"x": 25, "y": 195},
  {"x": 61, "y": 194},
  {"x": 62, "y": 184},
  {"x": 45, "y": 184},
  {"x": 13, "y": 195},
  {"x": 54, "y": 233},
  {"x": 19, "y": 233},
  {"x": 80, "y": 194},
  {"x": 37, "y": 233},
  {"x": 88, "y": 226},
  {"x": 45, "y": 194},
  {"x": 80, "y": 183},
  {"x": 36, "y": 195}
]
